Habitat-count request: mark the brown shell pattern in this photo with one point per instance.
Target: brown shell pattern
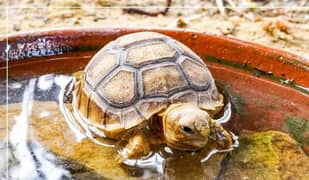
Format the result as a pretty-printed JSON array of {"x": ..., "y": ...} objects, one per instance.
[{"x": 140, "y": 74}]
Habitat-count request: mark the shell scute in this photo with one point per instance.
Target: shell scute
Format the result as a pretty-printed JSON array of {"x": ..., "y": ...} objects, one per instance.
[
  {"x": 83, "y": 100},
  {"x": 198, "y": 75},
  {"x": 131, "y": 117},
  {"x": 113, "y": 120},
  {"x": 149, "y": 53},
  {"x": 188, "y": 96},
  {"x": 161, "y": 80},
  {"x": 148, "y": 107},
  {"x": 120, "y": 88},
  {"x": 135, "y": 38},
  {"x": 97, "y": 109},
  {"x": 101, "y": 65}
]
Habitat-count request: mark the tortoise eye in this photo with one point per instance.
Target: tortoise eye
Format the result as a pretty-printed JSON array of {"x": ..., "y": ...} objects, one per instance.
[{"x": 187, "y": 129}]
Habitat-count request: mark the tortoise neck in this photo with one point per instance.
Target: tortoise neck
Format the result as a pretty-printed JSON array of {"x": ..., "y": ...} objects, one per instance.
[{"x": 156, "y": 125}]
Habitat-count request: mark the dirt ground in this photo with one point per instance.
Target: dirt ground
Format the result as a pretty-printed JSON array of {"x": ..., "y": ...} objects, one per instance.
[{"x": 282, "y": 24}]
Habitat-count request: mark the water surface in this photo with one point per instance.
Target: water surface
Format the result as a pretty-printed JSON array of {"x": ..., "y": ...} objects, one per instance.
[{"x": 40, "y": 138}]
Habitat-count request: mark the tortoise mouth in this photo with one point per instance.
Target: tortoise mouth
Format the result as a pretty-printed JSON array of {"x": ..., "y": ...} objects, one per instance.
[
  {"x": 188, "y": 142},
  {"x": 185, "y": 147}
]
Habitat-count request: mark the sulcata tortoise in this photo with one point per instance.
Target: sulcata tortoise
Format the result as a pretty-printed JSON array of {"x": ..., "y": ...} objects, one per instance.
[{"x": 144, "y": 83}]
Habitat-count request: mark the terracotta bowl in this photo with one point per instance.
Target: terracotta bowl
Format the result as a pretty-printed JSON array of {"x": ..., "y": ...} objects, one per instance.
[{"x": 268, "y": 88}]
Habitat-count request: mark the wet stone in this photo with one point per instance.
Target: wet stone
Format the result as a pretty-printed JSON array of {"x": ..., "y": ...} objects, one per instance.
[{"x": 266, "y": 155}]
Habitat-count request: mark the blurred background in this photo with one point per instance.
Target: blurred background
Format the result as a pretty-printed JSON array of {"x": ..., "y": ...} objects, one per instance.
[{"x": 282, "y": 24}]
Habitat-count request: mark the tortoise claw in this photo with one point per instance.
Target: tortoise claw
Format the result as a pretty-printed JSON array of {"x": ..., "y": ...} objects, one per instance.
[
  {"x": 136, "y": 148},
  {"x": 222, "y": 137}
]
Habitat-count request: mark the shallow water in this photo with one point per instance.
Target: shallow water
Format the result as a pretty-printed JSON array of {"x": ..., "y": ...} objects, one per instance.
[
  {"x": 44, "y": 145},
  {"x": 40, "y": 137}
]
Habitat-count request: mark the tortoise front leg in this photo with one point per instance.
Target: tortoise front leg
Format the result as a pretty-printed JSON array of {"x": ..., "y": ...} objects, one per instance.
[
  {"x": 219, "y": 135},
  {"x": 136, "y": 148}
]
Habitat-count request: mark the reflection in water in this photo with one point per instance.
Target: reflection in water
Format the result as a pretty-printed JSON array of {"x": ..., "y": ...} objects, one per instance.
[
  {"x": 227, "y": 113},
  {"x": 32, "y": 161},
  {"x": 214, "y": 151},
  {"x": 150, "y": 165},
  {"x": 172, "y": 164},
  {"x": 62, "y": 82},
  {"x": 45, "y": 82}
]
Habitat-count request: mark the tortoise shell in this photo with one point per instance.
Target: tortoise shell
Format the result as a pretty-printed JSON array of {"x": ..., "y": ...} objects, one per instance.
[{"x": 140, "y": 74}]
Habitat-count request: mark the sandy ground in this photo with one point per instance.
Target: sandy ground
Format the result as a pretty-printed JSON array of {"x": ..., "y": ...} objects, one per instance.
[{"x": 281, "y": 24}]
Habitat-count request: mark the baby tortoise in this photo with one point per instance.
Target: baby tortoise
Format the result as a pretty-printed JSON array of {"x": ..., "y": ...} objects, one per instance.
[{"x": 147, "y": 79}]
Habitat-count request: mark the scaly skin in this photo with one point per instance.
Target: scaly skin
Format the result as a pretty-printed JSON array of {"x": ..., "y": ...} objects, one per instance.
[
  {"x": 200, "y": 127},
  {"x": 186, "y": 127},
  {"x": 136, "y": 147},
  {"x": 221, "y": 136}
]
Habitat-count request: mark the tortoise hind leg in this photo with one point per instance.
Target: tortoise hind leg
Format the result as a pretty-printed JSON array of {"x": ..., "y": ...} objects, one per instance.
[{"x": 136, "y": 148}]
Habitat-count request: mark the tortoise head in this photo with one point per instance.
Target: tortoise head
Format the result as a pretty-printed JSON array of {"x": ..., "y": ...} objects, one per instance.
[{"x": 186, "y": 127}]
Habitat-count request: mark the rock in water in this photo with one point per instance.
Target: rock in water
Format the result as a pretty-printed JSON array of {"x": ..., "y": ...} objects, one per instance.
[{"x": 266, "y": 155}]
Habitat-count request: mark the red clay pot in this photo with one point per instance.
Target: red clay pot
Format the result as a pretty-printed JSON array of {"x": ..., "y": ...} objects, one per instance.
[{"x": 248, "y": 73}]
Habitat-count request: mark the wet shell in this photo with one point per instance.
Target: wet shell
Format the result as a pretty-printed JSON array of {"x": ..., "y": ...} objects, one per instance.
[{"x": 140, "y": 74}]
